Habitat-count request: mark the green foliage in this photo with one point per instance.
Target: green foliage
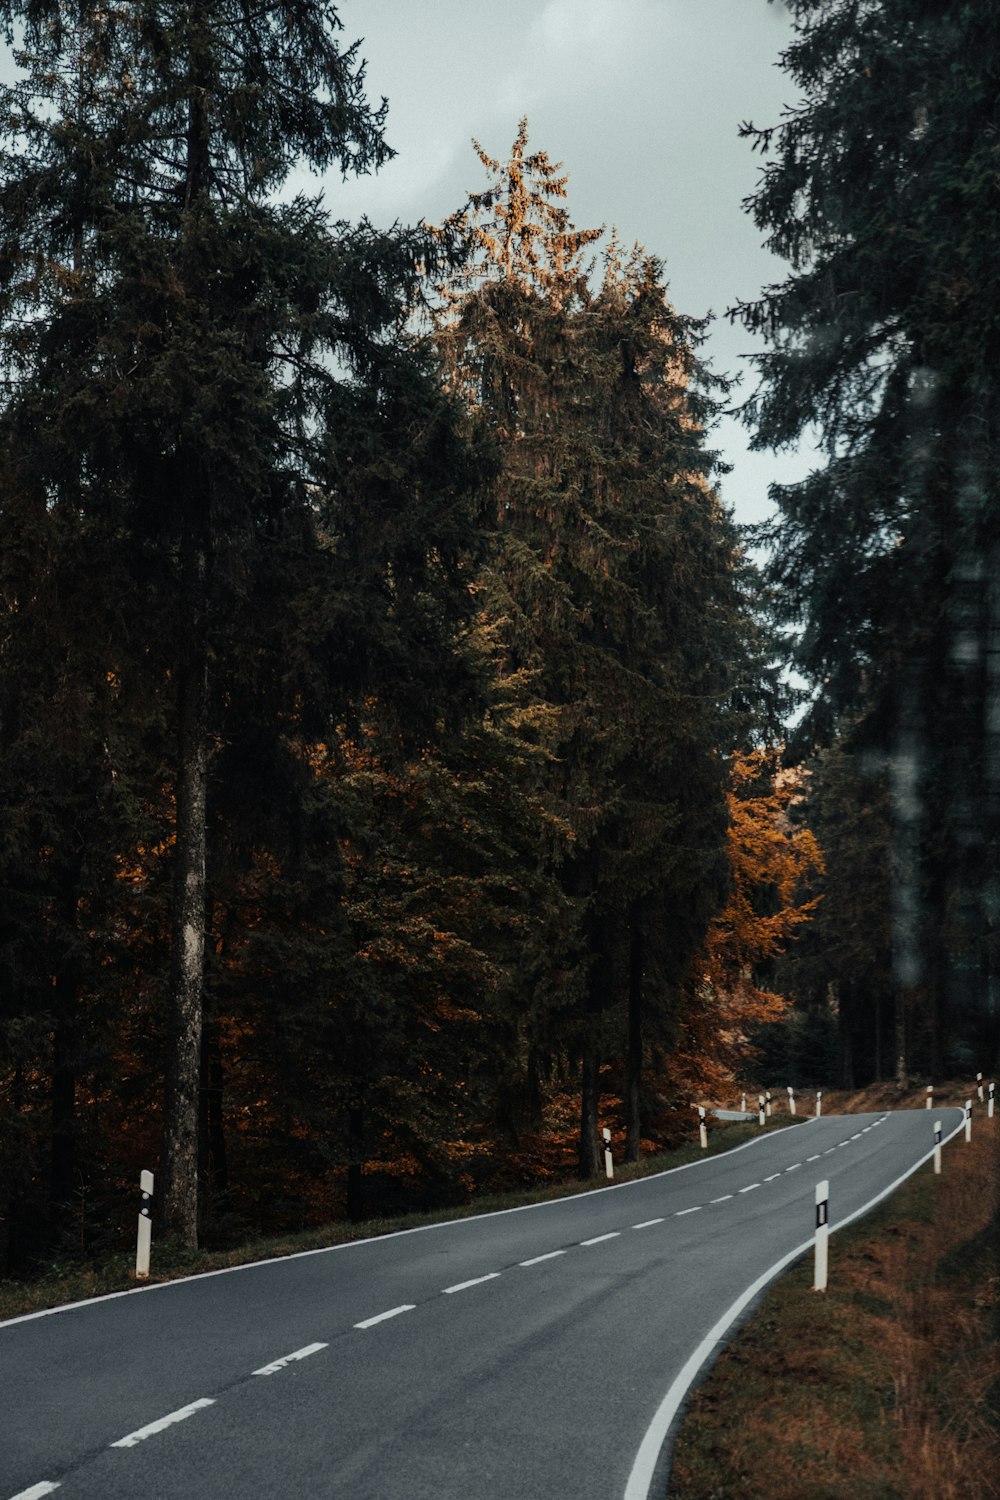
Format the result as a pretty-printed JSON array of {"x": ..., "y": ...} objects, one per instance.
[
  {"x": 883, "y": 339},
  {"x": 213, "y": 405},
  {"x": 613, "y": 587}
]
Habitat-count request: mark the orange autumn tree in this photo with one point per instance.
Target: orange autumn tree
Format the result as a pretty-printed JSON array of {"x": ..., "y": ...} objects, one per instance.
[{"x": 771, "y": 861}]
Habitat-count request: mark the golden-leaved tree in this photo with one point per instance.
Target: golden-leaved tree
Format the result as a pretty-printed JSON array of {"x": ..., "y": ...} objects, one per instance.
[{"x": 771, "y": 860}]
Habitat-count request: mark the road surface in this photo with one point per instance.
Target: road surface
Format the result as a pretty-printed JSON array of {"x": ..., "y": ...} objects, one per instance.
[{"x": 525, "y": 1355}]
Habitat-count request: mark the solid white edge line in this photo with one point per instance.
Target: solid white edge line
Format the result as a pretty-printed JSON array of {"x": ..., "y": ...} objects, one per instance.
[
  {"x": 286, "y": 1359},
  {"x": 462, "y": 1286},
  {"x": 381, "y": 1317},
  {"x": 180, "y": 1415},
  {"x": 647, "y": 1458},
  {"x": 647, "y": 1223},
  {"x": 494, "y": 1213},
  {"x": 600, "y": 1238},
  {"x": 537, "y": 1259},
  {"x": 44, "y": 1487}
]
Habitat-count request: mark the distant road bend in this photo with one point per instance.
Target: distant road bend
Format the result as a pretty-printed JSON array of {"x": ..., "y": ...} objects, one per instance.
[{"x": 532, "y": 1354}]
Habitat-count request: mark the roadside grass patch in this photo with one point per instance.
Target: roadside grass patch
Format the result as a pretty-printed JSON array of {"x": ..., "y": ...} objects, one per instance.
[{"x": 887, "y": 1384}]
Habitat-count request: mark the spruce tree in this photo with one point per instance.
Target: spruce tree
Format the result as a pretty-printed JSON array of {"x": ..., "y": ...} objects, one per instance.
[
  {"x": 884, "y": 337},
  {"x": 194, "y": 365},
  {"x": 613, "y": 588}
]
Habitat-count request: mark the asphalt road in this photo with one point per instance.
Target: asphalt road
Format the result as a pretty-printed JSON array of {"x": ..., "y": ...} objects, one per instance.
[{"x": 533, "y": 1354}]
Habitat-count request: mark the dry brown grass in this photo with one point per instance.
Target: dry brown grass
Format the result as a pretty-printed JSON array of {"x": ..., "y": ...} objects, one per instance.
[{"x": 888, "y": 1385}]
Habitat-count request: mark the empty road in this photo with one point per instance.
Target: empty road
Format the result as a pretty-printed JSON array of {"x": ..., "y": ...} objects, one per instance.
[{"x": 524, "y": 1355}]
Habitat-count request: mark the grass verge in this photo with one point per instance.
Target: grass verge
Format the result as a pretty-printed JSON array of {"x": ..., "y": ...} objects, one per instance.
[
  {"x": 885, "y": 1387},
  {"x": 71, "y": 1281}
]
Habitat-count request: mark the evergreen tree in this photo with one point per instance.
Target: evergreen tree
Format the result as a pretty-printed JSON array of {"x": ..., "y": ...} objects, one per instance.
[
  {"x": 205, "y": 375},
  {"x": 884, "y": 337},
  {"x": 613, "y": 585},
  {"x": 845, "y": 954}
]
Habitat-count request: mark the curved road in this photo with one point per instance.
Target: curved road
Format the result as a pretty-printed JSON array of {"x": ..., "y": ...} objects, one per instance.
[{"x": 526, "y": 1355}]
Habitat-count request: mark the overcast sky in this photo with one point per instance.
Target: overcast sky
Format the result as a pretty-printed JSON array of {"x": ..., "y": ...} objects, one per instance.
[{"x": 641, "y": 101}]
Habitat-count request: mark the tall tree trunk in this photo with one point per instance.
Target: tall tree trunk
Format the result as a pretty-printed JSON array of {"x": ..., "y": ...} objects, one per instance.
[
  {"x": 213, "y": 1166},
  {"x": 633, "y": 1078},
  {"x": 906, "y": 775},
  {"x": 65, "y": 1047},
  {"x": 355, "y": 1166},
  {"x": 991, "y": 777},
  {"x": 62, "y": 1175},
  {"x": 598, "y": 994},
  {"x": 181, "y": 1113},
  {"x": 590, "y": 1093},
  {"x": 842, "y": 991},
  {"x": 904, "y": 1006}
]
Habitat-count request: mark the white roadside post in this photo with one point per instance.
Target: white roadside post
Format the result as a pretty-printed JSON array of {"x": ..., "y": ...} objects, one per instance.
[
  {"x": 968, "y": 1119},
  {"x": 145, "y": 1225},
  {"x": 767, "y": 1096},
  {"x": 937, "y": 1148},
  {"x": 702, "y": 1128},
  {"x": 819, "y": 1103},
  {"x": 979, "y": 1086},
  {"x": 791, "y": 1100},
  {"x": 929, "y": 1103},
  {"x": 822, "y": 1235},
  {"x": 989, "y": 1103},
  {"x": 609, "y": 1166},
  {"x": 760, "y": 1109},
  {"x": 743, "y": 1104}
]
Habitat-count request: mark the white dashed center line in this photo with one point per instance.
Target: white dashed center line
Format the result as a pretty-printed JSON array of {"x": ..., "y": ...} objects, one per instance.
[
  {"x": 750, "y": 1188},
  {"x": 381, "y": 1317},
  {"x": 793, "y": 1166},
  {"x": 279, "y": 1364},
  {"x": 537, "y": 1259},
  {"x": 724, "y": 1199},
  {"x": 814, "y": 1158},
  {"x": 141, "y": 1433},
  {"x": 37, "y": 1491},
  {"x": 647, "y": 1223},
  {"x": 461, "y": 1286},
  {"x": 600, "y": 1238},
  {"x": 682, "y": 1211},
  {"x": 773, "y": 1177}
]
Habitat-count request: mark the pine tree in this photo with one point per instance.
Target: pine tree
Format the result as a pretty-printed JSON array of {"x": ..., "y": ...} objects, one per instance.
[{"x": 195, "y": 367}]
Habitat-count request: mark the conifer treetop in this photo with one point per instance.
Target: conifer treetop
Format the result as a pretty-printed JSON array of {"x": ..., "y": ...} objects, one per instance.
[{"x": 517, "y": 229}]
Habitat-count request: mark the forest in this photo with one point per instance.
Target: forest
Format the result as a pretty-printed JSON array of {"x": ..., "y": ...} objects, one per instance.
[{"x": 400, "y": 776}]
